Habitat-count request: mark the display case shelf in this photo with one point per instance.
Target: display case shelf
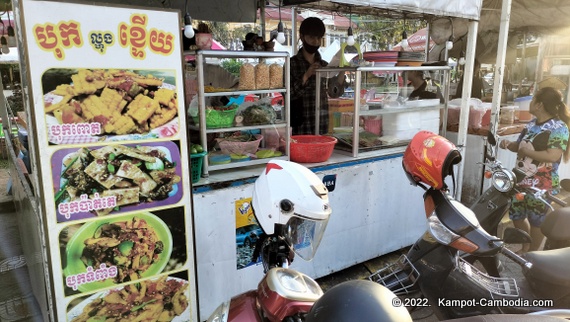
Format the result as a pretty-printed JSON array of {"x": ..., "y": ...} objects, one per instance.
[
  {"x": 240, "y": 128},
  {"x": 282, "y": 126},
  {"x": 376, "y": 126},
  {"x": 238, "y": 92},
  {"x": 239, "y": 164}
]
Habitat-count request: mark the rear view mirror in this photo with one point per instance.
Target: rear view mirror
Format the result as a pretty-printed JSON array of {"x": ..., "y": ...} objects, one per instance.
[{"x": 513, "y": 235}]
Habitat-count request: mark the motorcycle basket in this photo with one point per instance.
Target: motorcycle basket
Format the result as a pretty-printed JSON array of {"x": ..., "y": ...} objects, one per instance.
[
  {"x": 503, "y": 286},
  {"x": 399, "y": 277}
]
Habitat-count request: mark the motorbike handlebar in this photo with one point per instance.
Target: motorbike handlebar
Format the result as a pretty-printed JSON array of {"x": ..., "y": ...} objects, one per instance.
[
  {"x": 556, "y": 199},
  {"x": 515, "y": 257}
]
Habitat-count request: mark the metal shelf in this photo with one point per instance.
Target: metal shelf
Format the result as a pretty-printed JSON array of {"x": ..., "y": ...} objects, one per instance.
[
  {"x": 237, "y": 54},
  {"x": 240, "y": 128},
  {"x": 201, "y": 56},
  {"x": 261, "y": 91},
  {"x": 382, "y": 111},
  {"x": 244, "y": 163}
]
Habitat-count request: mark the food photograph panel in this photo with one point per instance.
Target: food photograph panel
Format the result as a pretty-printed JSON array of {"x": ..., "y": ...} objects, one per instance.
[
  {"x": 162, "y": 298},
  {"x": 92, "y": 105},
  {"x": 120, "y": 249},
  {"x": 116, "y": 178}
]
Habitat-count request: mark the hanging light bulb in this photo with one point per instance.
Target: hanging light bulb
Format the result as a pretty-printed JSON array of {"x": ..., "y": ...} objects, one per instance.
[
  {"x": 449, "y": 44},
  {"x": 280, "y": 30},
  {"x": 188, "y": 29},
  {"x": 280, "y": 33},
  {"x": 350, "y": 39},
  {"x": 11, "y": 33},
  {"x": 462, "y": 58},
  {"x": 5, "y": 48}
]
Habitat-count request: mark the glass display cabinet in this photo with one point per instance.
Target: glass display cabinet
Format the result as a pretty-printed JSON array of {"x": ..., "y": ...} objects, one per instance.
[{"x": 377, "y": 113}]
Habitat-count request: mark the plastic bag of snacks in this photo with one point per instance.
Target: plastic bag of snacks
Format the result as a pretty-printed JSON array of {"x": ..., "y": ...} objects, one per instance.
[
  {"x": 275, "y": 76},
  {"x": 247, "y": 77},
  {"x": 262, "y": 76}
]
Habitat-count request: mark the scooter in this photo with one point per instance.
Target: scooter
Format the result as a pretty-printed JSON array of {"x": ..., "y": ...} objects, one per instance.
[
  {"x": 436, "y": 264},
  {"x": 291, "y": 205},
  {"x": 495, "y": 202},
  {"x": 283, "y": 294},
  {"x": 293, "y": 221}
]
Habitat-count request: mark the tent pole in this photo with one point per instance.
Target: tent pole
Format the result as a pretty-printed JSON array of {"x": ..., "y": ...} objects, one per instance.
[
  {"x": 539, "y": 60},
  {"x": 293, "y": 31},
  {"x": 262, "y": 18},
  {"x": 500, "y": 65},
  {"x": 466, "y": 94}
]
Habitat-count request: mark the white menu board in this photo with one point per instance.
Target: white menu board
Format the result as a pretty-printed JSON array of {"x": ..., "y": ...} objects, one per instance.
[{"x": 108, "y": 110}]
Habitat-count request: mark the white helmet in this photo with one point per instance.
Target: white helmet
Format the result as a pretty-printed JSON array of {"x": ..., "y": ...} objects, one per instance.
[{"x": 289, "y": 194}]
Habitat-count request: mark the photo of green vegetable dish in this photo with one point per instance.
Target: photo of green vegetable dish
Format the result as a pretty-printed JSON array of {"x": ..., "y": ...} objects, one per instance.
[
  {"x": 131, "y": 245},
  {"x": 132, "y": 175}
]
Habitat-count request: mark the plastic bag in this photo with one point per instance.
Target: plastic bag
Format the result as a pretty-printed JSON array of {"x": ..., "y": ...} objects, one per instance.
[
  {"x": 258, "y": 112},
  {"x": 247, "y": 77}
]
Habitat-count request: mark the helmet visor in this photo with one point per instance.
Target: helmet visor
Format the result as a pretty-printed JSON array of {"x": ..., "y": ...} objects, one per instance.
[{"x": 304, "y": 235}]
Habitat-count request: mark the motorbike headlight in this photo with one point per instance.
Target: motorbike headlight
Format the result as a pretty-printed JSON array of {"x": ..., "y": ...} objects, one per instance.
[
  {"x": 221, "y": 313},
  {"x": 439, "y": 231},
  {"x": 503, "y": 180}
]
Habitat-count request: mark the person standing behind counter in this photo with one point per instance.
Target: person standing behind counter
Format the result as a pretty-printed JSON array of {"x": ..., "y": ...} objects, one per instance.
[
  {"x": 477, "y": 88},
  {"x": 540, "y": 148},
  {"x": 303, "y": 81},
  {"x": 416, "y": 79}
]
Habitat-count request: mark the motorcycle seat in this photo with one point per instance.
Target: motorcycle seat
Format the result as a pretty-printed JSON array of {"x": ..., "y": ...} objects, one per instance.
[
  {"x": 550, "y": 266},
  {"x": 556, "y": 223}
]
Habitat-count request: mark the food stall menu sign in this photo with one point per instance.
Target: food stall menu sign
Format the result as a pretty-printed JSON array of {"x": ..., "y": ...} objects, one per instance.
[{"x": 108, "y": 112}]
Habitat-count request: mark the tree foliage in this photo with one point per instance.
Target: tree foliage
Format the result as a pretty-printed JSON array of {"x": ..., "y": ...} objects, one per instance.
[{"x": 386, "y": 32}]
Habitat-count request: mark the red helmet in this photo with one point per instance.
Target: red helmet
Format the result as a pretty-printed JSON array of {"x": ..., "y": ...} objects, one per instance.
[{"x": 429, "y": 158}]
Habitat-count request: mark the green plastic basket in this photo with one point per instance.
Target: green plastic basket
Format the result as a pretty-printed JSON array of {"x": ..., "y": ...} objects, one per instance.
[
  {"x": 217, "y": 119},
  {"x": 196, "y": 165}
]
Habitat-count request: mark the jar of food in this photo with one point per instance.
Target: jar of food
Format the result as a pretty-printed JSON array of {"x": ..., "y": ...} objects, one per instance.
[{"x": 507, "y": 115}]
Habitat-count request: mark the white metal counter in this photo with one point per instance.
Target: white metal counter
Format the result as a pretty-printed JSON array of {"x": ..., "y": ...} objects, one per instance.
[{"x": 375, "y": 211}]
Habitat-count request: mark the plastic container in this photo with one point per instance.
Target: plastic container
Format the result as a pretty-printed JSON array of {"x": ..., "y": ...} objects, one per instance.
[
  {"x": 405, "y": 125},
  {"x": 196, "y": 160},
  {"x": 524, "y": 105},
  {"x": 507, "y": 115},
  {"x": 373, "y": 124},
  {"x": 311, "y": 148},
  {"x": 216, "y": 159}
]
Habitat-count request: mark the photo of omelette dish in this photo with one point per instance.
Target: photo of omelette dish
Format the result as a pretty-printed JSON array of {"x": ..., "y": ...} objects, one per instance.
[
  {"x": 132, "y": 174},
  {"x": 122, "y": 101}
]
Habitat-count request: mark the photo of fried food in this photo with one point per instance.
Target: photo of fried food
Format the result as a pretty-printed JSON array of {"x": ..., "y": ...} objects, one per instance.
[
  {"x": 162, "y": 299},
  {"x": 122, "y": 101}
]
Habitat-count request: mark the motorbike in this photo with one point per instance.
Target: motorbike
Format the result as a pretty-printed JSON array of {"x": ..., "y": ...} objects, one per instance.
[
  {"x": 439, "y": 264},
  {"x": 293, "y": 221}
]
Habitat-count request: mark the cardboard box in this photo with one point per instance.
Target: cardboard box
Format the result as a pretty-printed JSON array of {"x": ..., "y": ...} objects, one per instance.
[{"x": 338, "y": 106}]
